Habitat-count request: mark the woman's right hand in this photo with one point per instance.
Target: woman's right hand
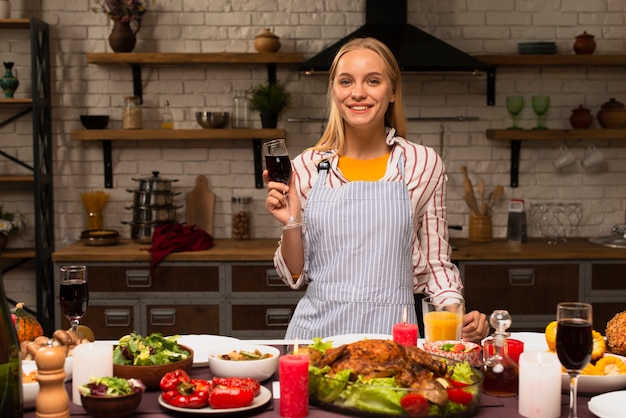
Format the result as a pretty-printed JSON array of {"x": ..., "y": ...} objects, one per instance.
[{"x": 276, "y": 204}]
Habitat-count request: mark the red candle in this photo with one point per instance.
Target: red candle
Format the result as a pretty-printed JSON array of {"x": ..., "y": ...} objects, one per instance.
[
  {"x": 294, "y": 385},
  {"x": 405, "y": 333}
]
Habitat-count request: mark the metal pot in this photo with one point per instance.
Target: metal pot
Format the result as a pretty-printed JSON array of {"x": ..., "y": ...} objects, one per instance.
[
  {"x": 141, "y": 232},
  {"x": 155, "y": 183},
  {"x": 141, "y": 198},
  {"x": 154, "y": 213}
]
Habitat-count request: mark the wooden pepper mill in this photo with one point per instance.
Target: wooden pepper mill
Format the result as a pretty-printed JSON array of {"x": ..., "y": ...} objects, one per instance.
[{"x": 52, "y": 399}]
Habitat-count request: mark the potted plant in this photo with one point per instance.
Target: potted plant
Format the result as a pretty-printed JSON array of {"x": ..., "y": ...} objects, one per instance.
[
  {"x": 9, "y": 223},
  {"x": 269, "y": 99}
]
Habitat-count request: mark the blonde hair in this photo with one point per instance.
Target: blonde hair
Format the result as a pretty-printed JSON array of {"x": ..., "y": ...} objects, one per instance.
[{"x": 333, "y": 136}]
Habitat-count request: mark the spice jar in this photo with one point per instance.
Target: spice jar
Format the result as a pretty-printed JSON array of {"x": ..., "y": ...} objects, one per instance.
[
  {"x": 242, "y": 218},
  {"x": 133, "y": 115}
]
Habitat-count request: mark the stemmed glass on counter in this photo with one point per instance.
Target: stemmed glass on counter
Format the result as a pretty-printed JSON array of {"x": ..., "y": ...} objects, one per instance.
[
  {"x": 574, "y": 343},
  {"x": 278, "y": 166},
  {"x": 74, "y": 293}
]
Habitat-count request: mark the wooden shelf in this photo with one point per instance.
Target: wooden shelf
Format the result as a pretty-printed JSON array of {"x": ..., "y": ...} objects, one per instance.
[
  {"x": 174, "y": 134},
  {"x": 553, "y": 60},
  {"x": 554, "y": 134},
  {"x": 154, "y": 58},
  {"x": 13, "y": 102},
  {"x": 14, "y": 23},
  {"x": 10, "y": 178},
  {"x": 18, "y": 253}
]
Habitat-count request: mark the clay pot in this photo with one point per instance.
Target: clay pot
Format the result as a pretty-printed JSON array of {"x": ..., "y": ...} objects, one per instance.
[
  {"x": 612, "y": 115},
  {"x": 581, "y": 118},
  {"x": 266, "y": 41},
  {"x": 122, "y": 37},
  {"x": 584, "y": 44}
]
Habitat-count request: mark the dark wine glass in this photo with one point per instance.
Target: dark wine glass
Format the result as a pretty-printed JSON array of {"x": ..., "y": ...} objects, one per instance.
[
  {"x": 74, "y": 293},
  {"x": 278, "y": 166},
  {"x": 574, "y": 343}
]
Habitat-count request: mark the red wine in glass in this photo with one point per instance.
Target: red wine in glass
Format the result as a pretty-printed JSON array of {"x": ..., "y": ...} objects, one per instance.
[
  {"x": 278, "y": 167},
  {"x": 74, "y": 293},
  {"x": 575, "y": 343}
]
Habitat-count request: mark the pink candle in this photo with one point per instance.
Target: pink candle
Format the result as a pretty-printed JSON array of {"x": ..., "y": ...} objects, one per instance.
[
  {"x": 405, "y": 333},
  {"x": 294, "y": 385}
]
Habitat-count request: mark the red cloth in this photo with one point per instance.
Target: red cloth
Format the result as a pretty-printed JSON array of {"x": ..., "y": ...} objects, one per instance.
[{"x": 172, "y": 238}]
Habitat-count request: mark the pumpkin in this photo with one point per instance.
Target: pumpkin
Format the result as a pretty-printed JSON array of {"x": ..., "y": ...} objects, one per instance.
[{"x": 26, "y": 325}]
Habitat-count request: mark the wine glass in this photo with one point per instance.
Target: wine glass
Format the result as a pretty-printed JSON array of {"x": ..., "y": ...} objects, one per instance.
[
  {"x": 514, "y": 105},
  {"x": 540, "y": 104},
  {"x": 574, "y": 343},
  {"x": 279, "y": 169},
  {"x": 74, "y": 293}
]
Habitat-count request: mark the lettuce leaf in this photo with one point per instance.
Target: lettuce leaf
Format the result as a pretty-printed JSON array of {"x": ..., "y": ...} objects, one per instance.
[
  {"x": 325, "y": 388},
  {"x": 378, "y": 395}
]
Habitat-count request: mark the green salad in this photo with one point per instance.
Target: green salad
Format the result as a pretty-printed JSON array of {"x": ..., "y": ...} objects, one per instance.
[
  {"x": 384, "y": 396},
  {"x": 155, "y": 349}
]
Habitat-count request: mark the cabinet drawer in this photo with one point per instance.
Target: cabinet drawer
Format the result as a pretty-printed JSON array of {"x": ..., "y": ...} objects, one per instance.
[
  {"x": 522, "y": 289},
  {"x": 256, "y": 278},
  {"x": 166, "y": 279},
  {"x": 181, "y": 317},
  {"x": 261, "y": 317},
  {"x": 608, "y": 276},
  {"x": 110, "y": 319}
]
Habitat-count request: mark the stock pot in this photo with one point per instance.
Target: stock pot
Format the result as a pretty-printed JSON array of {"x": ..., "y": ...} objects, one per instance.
[
  {"x": 154, "y": 213},
  {"x": 155, "y": 183},
  {"x": 141, "y": 232},
  {"x": 142, "y": 198}
]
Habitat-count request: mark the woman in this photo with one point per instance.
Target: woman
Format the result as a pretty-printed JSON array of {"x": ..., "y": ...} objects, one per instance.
[{"x": 372, "y": 206}]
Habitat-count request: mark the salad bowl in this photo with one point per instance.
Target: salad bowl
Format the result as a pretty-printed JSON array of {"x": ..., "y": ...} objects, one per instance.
[
  {"x": 261, "y": 364},
  {"x": 111, "y": 406}
]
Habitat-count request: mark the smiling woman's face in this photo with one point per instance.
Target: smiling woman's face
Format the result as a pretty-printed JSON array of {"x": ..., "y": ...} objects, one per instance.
[{"x": 362, "y": 89}]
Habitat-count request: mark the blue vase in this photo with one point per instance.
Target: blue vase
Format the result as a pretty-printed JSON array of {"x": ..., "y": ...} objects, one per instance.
[{"x": 8, "y": 82}]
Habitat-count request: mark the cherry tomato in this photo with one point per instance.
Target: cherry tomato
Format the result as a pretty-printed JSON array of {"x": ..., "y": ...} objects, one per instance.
[
  {"x": 414, "y": 404},
  {"x": 459, "y": 396}
]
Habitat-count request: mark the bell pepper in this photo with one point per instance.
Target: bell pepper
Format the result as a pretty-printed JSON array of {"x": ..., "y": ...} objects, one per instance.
[
  {"x": 192, "y": 394},
  {"x": 233, "y": 392},
  {"x": 171, "y": 380}
]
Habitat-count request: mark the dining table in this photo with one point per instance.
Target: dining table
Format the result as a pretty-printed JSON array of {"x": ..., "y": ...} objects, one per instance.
[{"x": 150, "y": 407}]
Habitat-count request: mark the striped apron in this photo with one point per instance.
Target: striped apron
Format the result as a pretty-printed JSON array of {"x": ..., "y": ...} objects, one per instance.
[{"x": 358, "y": 258}]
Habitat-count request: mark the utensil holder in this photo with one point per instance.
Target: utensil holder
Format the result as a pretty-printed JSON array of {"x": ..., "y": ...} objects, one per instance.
[{"x": 480, "y": 229}]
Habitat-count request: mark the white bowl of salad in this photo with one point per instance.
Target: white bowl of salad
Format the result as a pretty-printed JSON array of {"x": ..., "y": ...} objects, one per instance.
[{"x": 244, "y": 360}]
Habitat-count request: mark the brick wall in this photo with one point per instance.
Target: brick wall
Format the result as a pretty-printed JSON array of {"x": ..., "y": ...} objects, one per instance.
[{"x": 475, "y": 26}]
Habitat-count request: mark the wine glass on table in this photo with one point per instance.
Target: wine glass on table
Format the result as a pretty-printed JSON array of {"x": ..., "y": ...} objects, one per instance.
[
  {"x": 278, "y": 166},
  {"x": 74, "y": 293},
  {"x": 574, "y": 343}
]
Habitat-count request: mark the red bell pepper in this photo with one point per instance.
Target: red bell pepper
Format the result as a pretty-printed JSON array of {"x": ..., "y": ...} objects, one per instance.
[
  {"x": 190, "y": 394},
  {"x": 414, "y": 404},
  {"x": 171, "y": 380},
  {"x": 222, "y": 397},
  {"x": 238, "y": 382}
]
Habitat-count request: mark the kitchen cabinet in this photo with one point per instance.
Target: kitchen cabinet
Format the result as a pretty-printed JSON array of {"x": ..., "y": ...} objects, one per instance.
[
  {"x": 605, "y": 290},
  {"x": 39, "y": 180},
  {"x": 136, "y": 60},
  {"x": 517, "y": 136}
]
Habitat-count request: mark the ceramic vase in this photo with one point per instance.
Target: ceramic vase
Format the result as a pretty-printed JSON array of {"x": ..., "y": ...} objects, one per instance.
[
  {"x": 9, "y": 82},
  {"x": 581, "y": 118},
  {"x": 266, "y": 41},
  {"x": 123, "y": 38},
  {"x": 612, "y": 115},
  {"x": 584, "y": 44}
]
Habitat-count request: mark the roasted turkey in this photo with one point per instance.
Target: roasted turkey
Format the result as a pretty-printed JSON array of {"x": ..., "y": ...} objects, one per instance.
[{"x": 410, "y": 366}]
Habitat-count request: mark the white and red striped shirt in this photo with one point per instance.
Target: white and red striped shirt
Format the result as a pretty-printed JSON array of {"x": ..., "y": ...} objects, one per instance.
[{"x": 424, "y": 174}]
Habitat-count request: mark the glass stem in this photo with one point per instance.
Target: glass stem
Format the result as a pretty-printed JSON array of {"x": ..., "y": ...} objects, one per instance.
[
  {"x": 74, "y": 324},
  {"x": 573, "y": 389}
]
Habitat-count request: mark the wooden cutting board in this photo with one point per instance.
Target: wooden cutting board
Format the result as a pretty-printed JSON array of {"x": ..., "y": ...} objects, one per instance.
[{"x": 201, "y": 205}]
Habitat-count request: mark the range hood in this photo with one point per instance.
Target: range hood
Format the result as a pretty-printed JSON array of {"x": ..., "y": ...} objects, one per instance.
[{"x": 415, "y": 50}]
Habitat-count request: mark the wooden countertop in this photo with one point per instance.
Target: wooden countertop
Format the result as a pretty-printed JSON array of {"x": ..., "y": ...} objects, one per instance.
[{"x": 263, "y": 250}]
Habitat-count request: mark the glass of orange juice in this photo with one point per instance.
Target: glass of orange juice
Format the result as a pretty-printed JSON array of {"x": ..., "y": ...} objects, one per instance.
[{"x": 443, "y": 318}]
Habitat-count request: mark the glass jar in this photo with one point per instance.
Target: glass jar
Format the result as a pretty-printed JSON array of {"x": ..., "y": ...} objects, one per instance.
[
  {"x": 241, "y": 109},
  {"x": 167, "y": 119},
  {"x": 133, "y": 115},
  {"x": 242, "y": 218}
]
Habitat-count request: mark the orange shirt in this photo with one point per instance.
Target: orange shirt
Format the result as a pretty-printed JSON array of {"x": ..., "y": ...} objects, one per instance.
[{"x": 363, "y": 170}]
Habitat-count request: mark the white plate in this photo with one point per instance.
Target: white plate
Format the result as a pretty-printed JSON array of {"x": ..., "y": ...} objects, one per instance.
[
  {"x": 535, "y": 341},
  {"x": 608, "y": 405},
  {"x": 202, "y": 344},
  {"x": 338, "y": 340},
  {"x": 261, "y": 399}
]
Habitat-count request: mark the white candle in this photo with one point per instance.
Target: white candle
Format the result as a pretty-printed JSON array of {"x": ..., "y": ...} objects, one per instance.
[
  {"x": 90, "y": 360},
  {"x": 539, "y": 385}
]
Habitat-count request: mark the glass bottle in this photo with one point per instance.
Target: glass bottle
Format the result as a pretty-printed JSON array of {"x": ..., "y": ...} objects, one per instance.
[
  {"x": 500, "y": 372},
  {"x": 241, "y": 110},
  {"x": 167, "y": 119},
  {"x": 10, "y": 363},
  {"x": 133, "y": 115},
  {"x": 242, "y": 218}
]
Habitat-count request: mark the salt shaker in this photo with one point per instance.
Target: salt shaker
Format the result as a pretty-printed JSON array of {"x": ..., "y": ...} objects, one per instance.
[{"x": 500, "y": 372}]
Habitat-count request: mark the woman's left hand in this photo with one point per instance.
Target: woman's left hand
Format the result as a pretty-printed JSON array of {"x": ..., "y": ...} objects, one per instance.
[{"x": 475, "y": 326}]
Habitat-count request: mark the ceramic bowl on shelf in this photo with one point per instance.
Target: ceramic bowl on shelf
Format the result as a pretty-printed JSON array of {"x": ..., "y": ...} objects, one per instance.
[
  {"x": 212, "y": 120},
  {"x": 94, "y": 121}
]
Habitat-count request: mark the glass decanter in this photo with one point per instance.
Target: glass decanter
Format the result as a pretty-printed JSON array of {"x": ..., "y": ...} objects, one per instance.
[{"x": 500, "y": 372}]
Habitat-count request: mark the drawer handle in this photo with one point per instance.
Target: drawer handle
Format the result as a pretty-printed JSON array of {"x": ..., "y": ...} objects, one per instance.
[
  {"x": 163, "y": 317},
  {"x": 277, "y": 317},
  {"x": 272, "y": 279},
  {"x": 117, "y": 317},
  {"x": 521, "y": 277},
  {"x": 138, "y": 278}
]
